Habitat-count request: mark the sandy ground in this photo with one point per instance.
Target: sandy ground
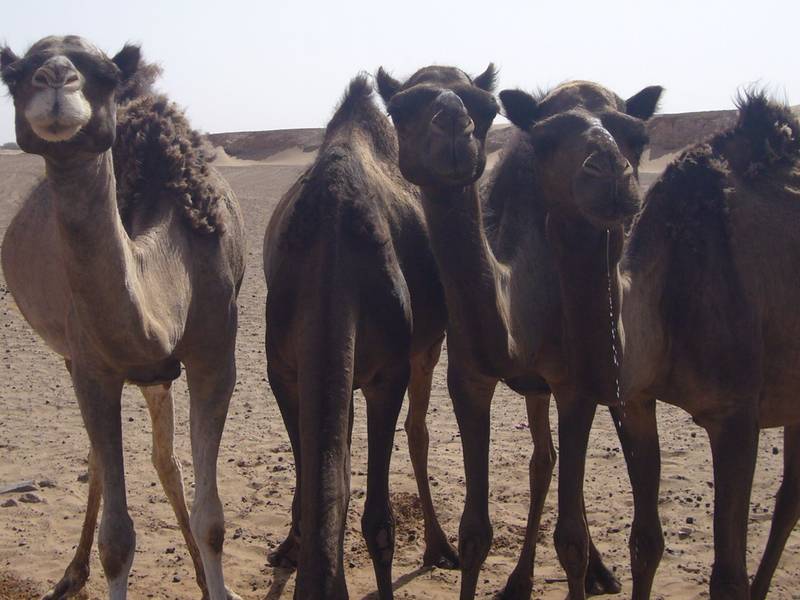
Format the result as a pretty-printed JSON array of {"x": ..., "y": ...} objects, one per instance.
[{"x": 42, "y": 438}]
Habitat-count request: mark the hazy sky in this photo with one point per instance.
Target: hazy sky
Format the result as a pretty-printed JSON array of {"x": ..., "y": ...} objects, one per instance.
[{"x": 272, "y": 65}]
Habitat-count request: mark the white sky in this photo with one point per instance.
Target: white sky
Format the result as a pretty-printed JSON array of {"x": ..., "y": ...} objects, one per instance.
[{"x": 239, "y": 65}]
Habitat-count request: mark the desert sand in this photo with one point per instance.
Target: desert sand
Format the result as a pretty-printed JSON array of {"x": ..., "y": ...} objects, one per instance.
[{"x": 42, "y": 440}]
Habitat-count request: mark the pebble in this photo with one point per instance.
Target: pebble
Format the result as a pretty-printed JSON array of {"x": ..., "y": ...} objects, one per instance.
[
  {"x": 30, "y": 498},
  {"x": 8, "y": 503},
  {"x": 684, "y": 532},
  {"x": 83, "y": 477},
  {"x": 47, "y": 483}
]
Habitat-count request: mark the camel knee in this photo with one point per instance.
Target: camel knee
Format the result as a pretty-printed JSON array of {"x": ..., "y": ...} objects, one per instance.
[
  {"x": 646, "y": 546},
  {"x": 167, "y": 466},
  {"x": 474, "y": 541},
  {"x": 377, "y": 527},
  {"x": 543, "y": 461},
  {"x": 571, "y": 540},
  {"x": 117, "y": 544},
  {"x": 208, "y": 525}
]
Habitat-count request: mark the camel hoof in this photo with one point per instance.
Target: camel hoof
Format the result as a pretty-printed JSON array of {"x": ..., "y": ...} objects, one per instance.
[
  {"x": 229, "y": 595},
  {"x": 285, "y": 557},
  {"x": 71, "y": 583},
  {"x": 600, "y": 580},
  {"x": 441, "y": 555},
  {"x": 518, "y": 587}
]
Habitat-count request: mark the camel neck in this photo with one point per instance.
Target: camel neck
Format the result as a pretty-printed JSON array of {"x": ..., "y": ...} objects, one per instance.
[
  {"x": 586, "y": 259},
  {"x": 84, "y": 188},
  {"x": 97, "y": 252},
  {"x": 475, "y": 283}
]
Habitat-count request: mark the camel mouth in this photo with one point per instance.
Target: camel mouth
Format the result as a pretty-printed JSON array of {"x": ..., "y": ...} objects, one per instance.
[
  {"x": 57, "y": 115},
  {"x": 56, "y": 131}
]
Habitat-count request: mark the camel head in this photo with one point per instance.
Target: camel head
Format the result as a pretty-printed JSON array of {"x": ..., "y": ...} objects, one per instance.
[
  {"x": 587, "y": 143},
  {"x": 442, "y": 117},
  {"x": 64, "y": 92}
]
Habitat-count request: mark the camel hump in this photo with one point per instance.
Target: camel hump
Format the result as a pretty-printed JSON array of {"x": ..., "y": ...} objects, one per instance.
[
  {"x": 159, "y": 157},
  {"x": 710, "y": 318},
  {"x": 766, "y": 136},
  {"x": 340, "y": 198}
]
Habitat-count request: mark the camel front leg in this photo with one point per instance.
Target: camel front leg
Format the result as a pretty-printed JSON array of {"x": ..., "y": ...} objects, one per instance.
[
  {"x": 520, "y": 583},
  {"x": 575, "y": 416},
  {"x": 638, "y": 433},
  {"x": 734, "y": 445},
  {"x": 472, "y": 397},
  {"x": 210, "y": 389},
  {"x": 77, "y": 573},
  {"x": 98, "y": 394},
  {"x": 599, "y": 578},
  {"x": 787, "y": 512},
  {"x": 384, "y": 399},
  {"x": 438, "y": 551}
]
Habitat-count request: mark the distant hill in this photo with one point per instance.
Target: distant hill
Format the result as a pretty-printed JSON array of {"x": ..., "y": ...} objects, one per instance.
[
  {"x": 260, "y": 145},
  {"x": 669, "y": 133}
]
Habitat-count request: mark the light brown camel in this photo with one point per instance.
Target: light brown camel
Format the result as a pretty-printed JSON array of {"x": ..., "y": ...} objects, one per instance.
[
  {"x": 528, "y": 287},
  {"x": 127, "y": 265},
  {"x": 711, "y": 322},
  {"x": 354, "y": 301}
]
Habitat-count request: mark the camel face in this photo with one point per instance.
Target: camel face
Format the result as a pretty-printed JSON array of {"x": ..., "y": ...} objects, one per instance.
[
  {"x": 587, "y": 149},
  {"x": 64, "y": 91},
  {"x": 442, "y": 118}
]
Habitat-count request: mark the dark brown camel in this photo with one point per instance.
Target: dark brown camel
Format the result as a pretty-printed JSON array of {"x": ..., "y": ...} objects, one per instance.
[
  {"x": 354, "y": 301},
  {"x": 527, "y": 289},
  {"x": 711, "y": 322},
  {"x": 127, "y": 261}
]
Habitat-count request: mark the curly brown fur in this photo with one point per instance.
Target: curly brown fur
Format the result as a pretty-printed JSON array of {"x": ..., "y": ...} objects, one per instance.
[
  {"x": 156, "y": 152},
  {"x": 766, "y": 136},
  {"x": 686, "y": 223},
  {"x": 358, "y": 107},
  {"x": 140, "y": 83}
]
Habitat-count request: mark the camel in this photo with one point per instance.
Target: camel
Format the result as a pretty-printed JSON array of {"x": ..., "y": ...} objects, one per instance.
[
  {"x": 127, "y": 259},
  {"x": 528, "y": 279},
  {"x": 354, "y": 302},
  {"x": 710, "y": 321}
]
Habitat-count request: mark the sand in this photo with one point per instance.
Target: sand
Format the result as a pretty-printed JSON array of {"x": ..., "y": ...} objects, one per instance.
[{"x": 42, "y": 438}]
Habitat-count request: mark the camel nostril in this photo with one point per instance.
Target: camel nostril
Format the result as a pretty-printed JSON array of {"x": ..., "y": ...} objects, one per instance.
[
  {"x": 596, "y": 165},
  {"x": 453, "y": 122},
  {"x": 627, "y": 168},
  {"x": 40, "y": 79}
]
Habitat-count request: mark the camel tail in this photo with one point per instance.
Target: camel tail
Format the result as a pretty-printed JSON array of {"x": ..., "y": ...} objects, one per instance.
[{"x": 326, "y": 361}]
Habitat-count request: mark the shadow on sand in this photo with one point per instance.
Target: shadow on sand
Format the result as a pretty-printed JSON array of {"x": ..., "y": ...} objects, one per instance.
[
  {"x": 401, "y": 581},
  {"x": 281, "y": 576}
]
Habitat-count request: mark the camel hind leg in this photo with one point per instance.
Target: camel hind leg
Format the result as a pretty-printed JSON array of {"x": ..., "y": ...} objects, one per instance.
[
  {"x": 438, "y": 550},
  {"x": 211, "y": 385},
  {"x": 284, "y": 388},
  {"x": 520, "y": 582},
  {"x": 384, "y": 400},
  {"x": 787, "y": 512},
  {"x": 161, "y": 407},
  {"x": 77, "y": 573}
]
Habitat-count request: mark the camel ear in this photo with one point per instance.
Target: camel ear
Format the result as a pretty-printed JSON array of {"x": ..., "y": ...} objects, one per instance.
[
  {"x": 388, "y": 86},
  {"x": 520, "y": 107},
  {"x": 644, "y": 104},
  {"x": 487, "y": 80},
  {"x": 127, "y": 60},
  {"x": 7, "y": 59}
]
